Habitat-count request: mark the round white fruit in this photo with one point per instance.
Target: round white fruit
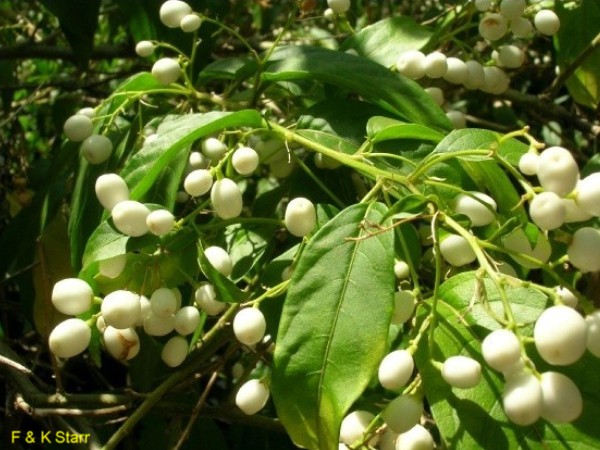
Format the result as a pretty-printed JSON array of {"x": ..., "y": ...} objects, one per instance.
[
  {"x": 588, "y": 194},
  {"x": 457, "y": 119},
  {"x": 219, "y": 259},
  {"x": 493, "y": 26},
  {"x": 249, "y": 326},
  {"x": 163, "y": 302},
  {"x": 96, "y": 149},
  {"x": 354, "y": 426},
  {"x": 190, "y": 23},
  {"x": 436, "y": 94},
  {"x": 213, "y": 149},
  {"x": 584, "y": 249},
  {"x": 198, "y": 182},
  {"x": 573, "y": 212},
  {"x": 511, "y": 9},
  {"x": 475, "y": 75},
  {"x": 245, "y": 160},
  {"x": 483, "y": 5},
  {"x": 206, "y": 299},
  {"x": 88, "y": 111},
  {"x": 411, "y": 64},
  {"x": 511, "y": 56},
  {"x": 187, "y": 320},
  {"x": 175, "y": 351},
  {"x": 111, "y": 189},
  {"x": 436, "y": 65},
  {"x": 417, "y": 438},
  {"x": 501, "y": 349},
  {"x": 300, "y": 216},
  {"x": 166, "y": 70},
  {"x": 547, "y": 22},
  {"x": 561, "y": 399},
  {"x": 72, "y": 296},
  {"x": 592, "y": 322},
  {"x": 121, "y": 309},
  {"x": 560, "y": 335},
  {"x": 566, "y": 296},
  {"x": 495, "y": 80},
  {"x": 404, "y": 306},
  {"x": 521, "y": 27},
  {"x": 461, "y": 372},
  {"x": 557, "y": 171},
  {"x": 457, "y": 251},
  {"x": 144, "y": 48},
  {"x": 403, "y": 413},
  {"x": 130, "y": 217},
  {"x": 396, "y": 369},
  {"x": 121, "y": 344},
  {"x": 226, "y": 198},
  {"x": 547, "y": 210},
  {"x": 172, "y": 11},
  {"x": 158, "y": 326},
  {"x": 112, "y": 267},
  {"x": 160, "y": 222},
  {"x": 457, "y": 72},
  {"x": 339, "y": 6},
  {"x": 477, "y": 206},
  {"x": 528, "y": 163},
  {"x": 252, "y": 396},
  {"x": 522, "y": 399},
  {"x": 78, "y": 127},
  {"x": 69, "y": 338},
  {"x": 401, "y": 270}
]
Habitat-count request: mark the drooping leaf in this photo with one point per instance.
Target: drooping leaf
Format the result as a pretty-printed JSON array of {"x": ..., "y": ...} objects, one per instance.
[
  {"x": 397, "y": 94},
  {"x": 385, "y": 129},
  {"x": 385, "y": 40},
  {"x": 473, "y": 418},
  {"x": 334, "y": 325}
]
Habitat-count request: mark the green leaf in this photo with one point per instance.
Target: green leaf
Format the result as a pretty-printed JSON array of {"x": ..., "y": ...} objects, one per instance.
[
  {"x": 331, "y": 141},
  {"x": 145, "y": 167},
  {"x": 397, "y": 94},
  {"x": 486, "y": 174},
  {"x": 328, "y": 348},
  {"x": 578, "y": 27},
  {"x": 473, "y": 418},
  {"x": 385, "y": 40},
  {"x": 385, "y": 129},
  {"x": 234, "y": 68}
]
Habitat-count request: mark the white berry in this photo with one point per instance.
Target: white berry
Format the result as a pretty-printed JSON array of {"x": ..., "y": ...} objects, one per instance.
[
  {"x": 435, "y": 65},
  {"x": 477, "y": 206},
  {"x": 339, "y": 6},
  {"x": 396, "y": 369},
  {"x": 130, "y": 217},
  {"x": 557, "y": 171},
  {"x": 493, "y": 26},
  {"x": 219, "y": 259},
  {"x": 483, "y": 5},
  {"x": 417, "y": 438},
  {"x": 78, "y": 127},
  {"x": 112, "y": 267},
  {"x": 300, "y": 216},
  {"x": 547, "y": 22},
  {"x": 521, "y": 27},
  {"x": 354, "y": 426},
  {"x": 166, "y": 70},
  {"x": 547, "y": 210},
  {"x": 69, "y": 338},
  {"x": 206, "y": 299},
  {"x": 573, "y": 212},
  {"x": 522, "y": 399},
  {"x": 512, "y": 9},
  {"x": 403, "y": 413},
  {"x": 121, "y": 309},
  {"x": 411, "y": 64},
  {"x": 144, "y": 48},
  {"x": 122, "y": 344},
  {"x": 560, "y": 335},
  {"x": 457, "y": 119},
  {"x": 175, "y": 351},
  {"x": 213, "y": 149},
  {"x": 96, "y": 149},
  {"x": 160, "y": 222},
  {"x": 592, "y": 322},
  {"x": 436, "y": 94},
  {"x": 561, "y": 399},
  {"x": 588, "y": 194},
  {"x": 87, "y": 111},
  {"x": 111, "y": 189},
  {"x": 187, "y": 320},
  {"x": 495, "y": 80},
  {"x": 226, "y": 198},
  {"x": 252, "y": 396},
  {"x": 198, "y": 182},
  {"x": 190, "y": 23},
  {"x": 158, "y": 326},
  {"x": 528, "y": 163},
  {"x": 461, "y": 372},
  {"x": 501, "y": 349},
  {"x": 566, "y": 296},
  {"x": 172, "y": 11},
  {"x": 245, "y": 160},
  {"x": 457, "y": 251},
  {"x": 584, "y": 250},
  {"x": 163, "y": 302},
  {"x": 72, "y": 296},
  {"x": 249, "y": 326},
  {"x": 475, "y": 75},
  {"x": 511, "y": 56},
  {"x": 457, "y": 72},
  {"x": 401, "y": 270}
]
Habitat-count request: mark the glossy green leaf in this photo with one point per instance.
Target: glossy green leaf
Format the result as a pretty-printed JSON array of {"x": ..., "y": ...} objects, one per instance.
[
  {"x": 473, "y": 418},
  {"x": 145, "y": 167},
  {"x": 385, "y": 40},
  {"x": 234, "y": 68},
  {"x": 578, "y": 27},
  {"x": 376, "y": 83},
  {"x": 331, "y": 141},
  {"x": 385, "y": 129},
  {"x": 328, "y": 348}
]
